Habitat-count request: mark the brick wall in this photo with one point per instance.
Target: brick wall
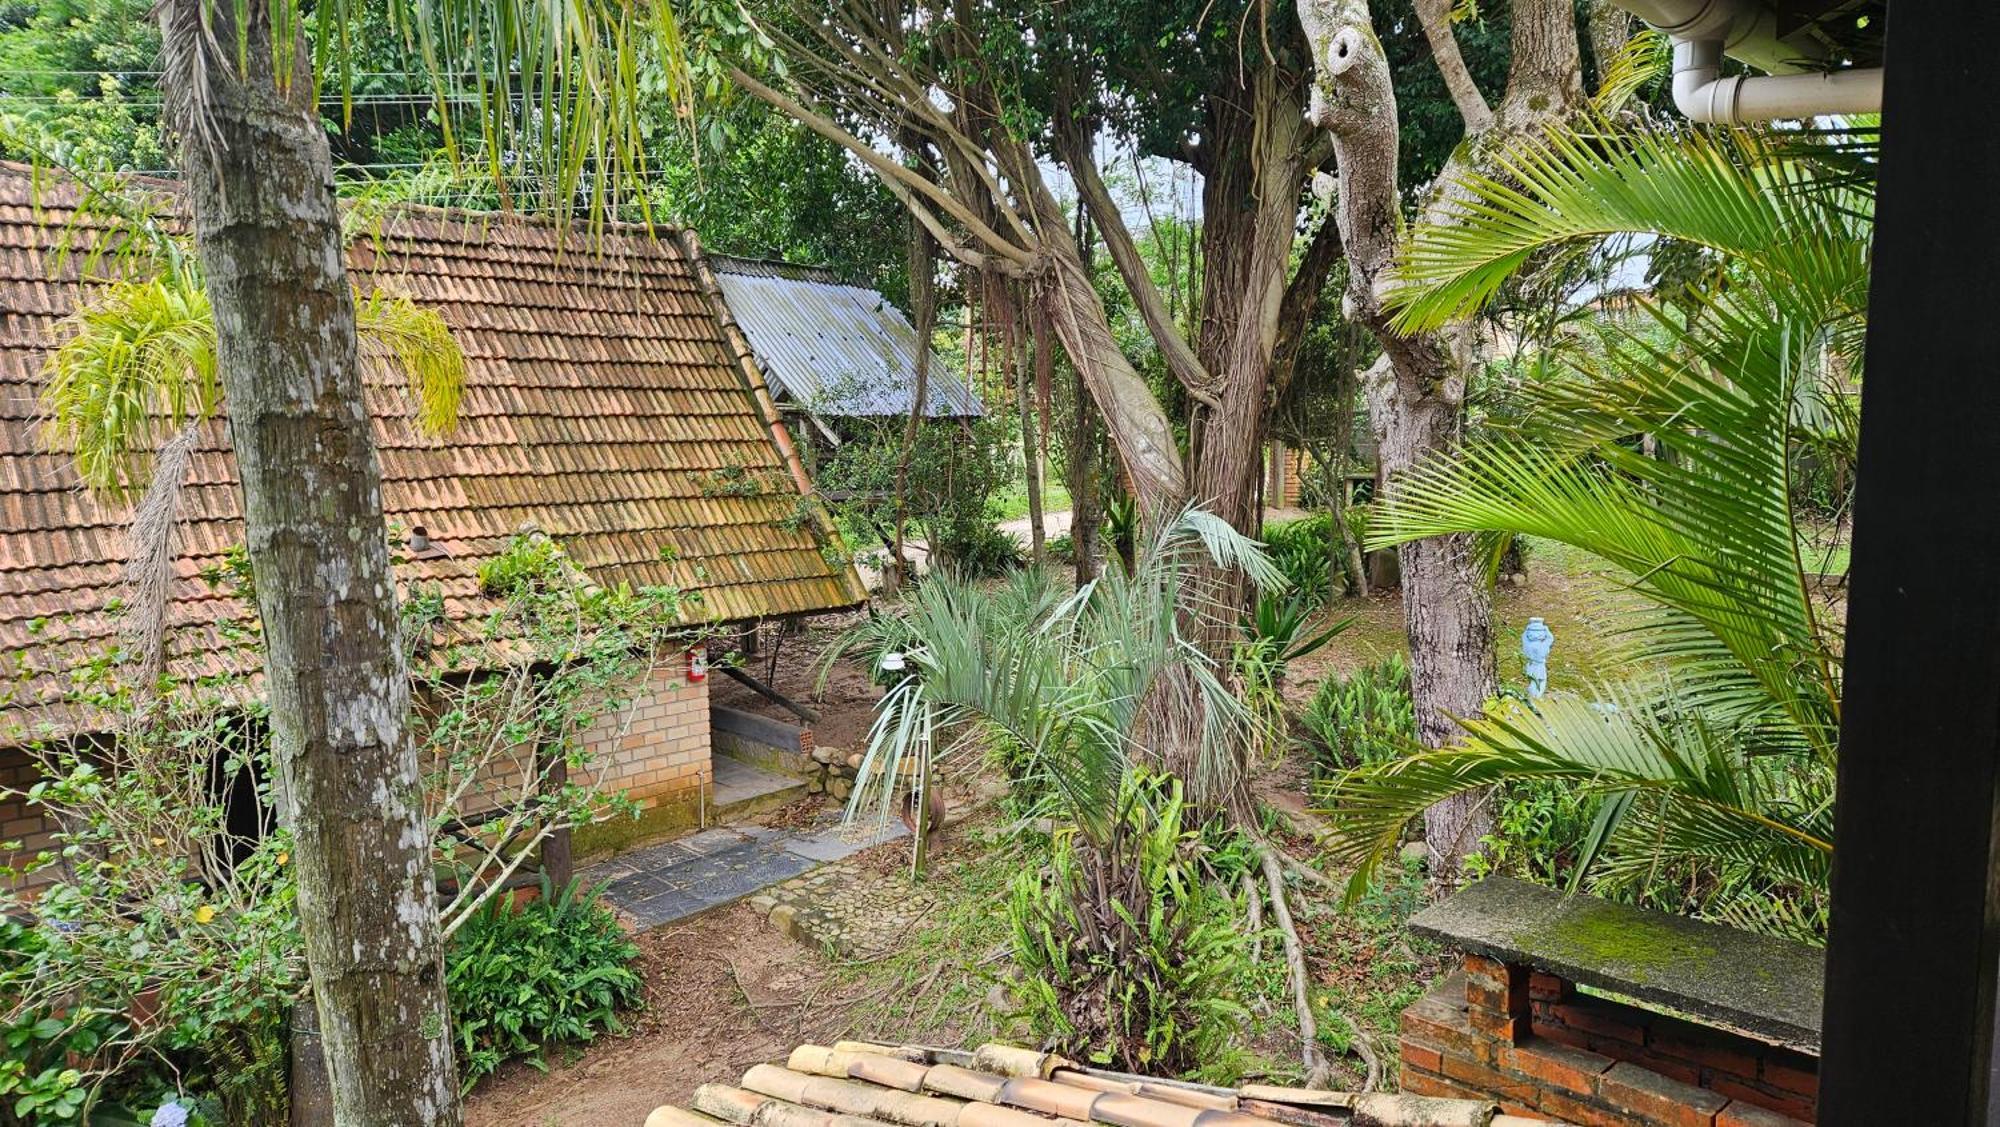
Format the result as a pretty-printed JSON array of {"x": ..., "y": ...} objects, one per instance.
[
  {"x": 1284, "y": 475},
  {"x": 1532, "y": 1042},
  {"x": 20, "y": 821},
  {"x": 656, "y": 750}
]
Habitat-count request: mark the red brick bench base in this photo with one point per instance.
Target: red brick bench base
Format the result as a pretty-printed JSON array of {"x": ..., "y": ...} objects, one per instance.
[{"x": 1532, "y": 1042}]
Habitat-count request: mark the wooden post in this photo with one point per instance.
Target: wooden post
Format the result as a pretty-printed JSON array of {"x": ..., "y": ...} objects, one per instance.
[
  {"x": 558, "y": 858},
  {"x": 1915, "y": 936}
]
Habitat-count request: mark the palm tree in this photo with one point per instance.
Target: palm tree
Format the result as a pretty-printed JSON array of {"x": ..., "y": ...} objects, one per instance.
[
  {"x": 1061, "y": 677},
  {"x": 1075, "y": 684},
  {"x": 1717, "y": 746},
  {"x": 560, "y": 97},
  {"x": 137, "y": 369}
]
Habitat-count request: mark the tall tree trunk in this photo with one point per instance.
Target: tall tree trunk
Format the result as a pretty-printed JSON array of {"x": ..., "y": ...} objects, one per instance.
[
  {"x": 260, "y": 182},
  {"x": 1416, "y": 391},
  {"x": 1024, "y": 368},
  {"x": 923, "y": 303},
  {"x": 1085, "y": 515},
  {"x": 1085, "y": 512},
  {"x": 1610, "y": 27}
]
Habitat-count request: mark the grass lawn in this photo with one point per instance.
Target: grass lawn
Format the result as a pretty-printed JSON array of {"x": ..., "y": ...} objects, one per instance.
[{"x": 1012, "y": 502}]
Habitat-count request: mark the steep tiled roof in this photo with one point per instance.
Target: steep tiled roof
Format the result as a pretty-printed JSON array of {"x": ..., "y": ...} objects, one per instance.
[
  {"x": 835, "y": 348},
  {"x": 860, "y": 1084},
  {"x": 605, "y": 405}
]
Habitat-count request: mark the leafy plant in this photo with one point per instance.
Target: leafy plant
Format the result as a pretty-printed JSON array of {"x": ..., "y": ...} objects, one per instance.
[
  {"x": 137, "y": 362},
  {"x": 1304, "y": 551},
  {"x": 556, "y": 970},
  {"x": 976, "y": 550},
  {"x": 1363, "y": 719},
  {"x": 1274, "y": 636},
  {"x": 166, "y": 941},
  {"x": 1130, "y": 958},
  {"x": 528, "y": 563},
  {"x": 1713, "y": 758}
]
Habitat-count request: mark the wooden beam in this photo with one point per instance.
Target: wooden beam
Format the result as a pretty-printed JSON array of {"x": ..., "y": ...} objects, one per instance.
[{"x": 1908, "y": 1029}]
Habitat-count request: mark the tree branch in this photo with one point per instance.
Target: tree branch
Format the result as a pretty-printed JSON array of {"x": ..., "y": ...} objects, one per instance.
[
  {"x": 905, "y": 184},
  {"x": 1301, "y": 296},
  {"x": 1074, "y": 148},
  {"x": 1435, "y": 16}
]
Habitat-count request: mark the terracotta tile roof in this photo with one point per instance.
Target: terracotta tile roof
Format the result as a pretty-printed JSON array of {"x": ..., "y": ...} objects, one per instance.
[
  {"x": 862, "y": 1084},
  {"x": 606, "y": 405}
]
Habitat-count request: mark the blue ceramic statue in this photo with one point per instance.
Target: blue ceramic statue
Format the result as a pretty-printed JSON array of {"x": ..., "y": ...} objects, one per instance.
[{"x": 1536, "y": 642}]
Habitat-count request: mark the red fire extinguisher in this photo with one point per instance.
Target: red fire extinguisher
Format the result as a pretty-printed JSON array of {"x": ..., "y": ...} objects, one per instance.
[{"x": 698, "y": 663}]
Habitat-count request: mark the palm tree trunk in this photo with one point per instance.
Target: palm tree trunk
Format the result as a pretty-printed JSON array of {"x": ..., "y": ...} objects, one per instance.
[{"x": 260, "y": 182}]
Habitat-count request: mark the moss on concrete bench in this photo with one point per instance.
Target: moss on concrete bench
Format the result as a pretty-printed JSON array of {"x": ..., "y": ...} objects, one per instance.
[{"x": 1725, "y": 1029}]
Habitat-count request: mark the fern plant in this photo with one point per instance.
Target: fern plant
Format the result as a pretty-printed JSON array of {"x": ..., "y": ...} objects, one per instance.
[
  {"x": 557, "y": 970},
  {"x": 1363, "y": 719}
]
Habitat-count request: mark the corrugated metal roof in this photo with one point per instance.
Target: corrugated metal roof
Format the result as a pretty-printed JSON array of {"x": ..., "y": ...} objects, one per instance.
[{"x": 831, "y": 347}]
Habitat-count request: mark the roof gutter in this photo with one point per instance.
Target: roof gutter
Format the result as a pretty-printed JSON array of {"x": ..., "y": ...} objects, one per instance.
[{"x": 1703, "y": 31}]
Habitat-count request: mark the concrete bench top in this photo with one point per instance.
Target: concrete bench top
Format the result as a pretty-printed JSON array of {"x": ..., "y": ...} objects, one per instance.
[{"x": 1756, "y": 984}]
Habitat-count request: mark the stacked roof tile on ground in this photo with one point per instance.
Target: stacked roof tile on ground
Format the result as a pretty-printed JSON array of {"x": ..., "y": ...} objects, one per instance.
[
  {"x": 861, "y": 1084},
  {"x": 604, "y": 406}
]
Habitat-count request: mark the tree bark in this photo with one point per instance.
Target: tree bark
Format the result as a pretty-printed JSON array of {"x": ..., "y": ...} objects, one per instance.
[
  {"x": 260, "y": 182},
  {"x": 1018, "y": 346},
  {"x": 923, "y": 303},
  {"x": 1610, "y": 27},
  {"x": 1416, "y": 390}
]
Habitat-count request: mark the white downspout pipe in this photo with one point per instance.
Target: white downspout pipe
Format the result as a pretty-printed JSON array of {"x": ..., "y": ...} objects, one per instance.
[
  {"x": 1703, "y": 31},
  {"x": 1703, "y": 94}
]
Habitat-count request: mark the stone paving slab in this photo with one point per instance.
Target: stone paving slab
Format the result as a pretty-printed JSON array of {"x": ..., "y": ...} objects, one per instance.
[{"x": 677, "y": 879}]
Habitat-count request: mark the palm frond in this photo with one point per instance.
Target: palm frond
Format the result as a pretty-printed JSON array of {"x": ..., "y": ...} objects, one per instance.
[
  {"x": 417, "y": 344},
  {"x": 564, "y": 94},
  {"x": 1692, "y": 794},
  {"x": 135, "y": 360},
  {"x": 1726, "y": 191},
  {"x": 1646, "y": 57},
  {"x": 1062, "y": 678}
]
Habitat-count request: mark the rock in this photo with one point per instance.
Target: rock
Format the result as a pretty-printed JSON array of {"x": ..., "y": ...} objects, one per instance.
[
  {"x": 1519, "y": 579},
  {"x": 827, "y": 756},
  {"x": 785, "y": 918},
  {"x": 854, "y": 762},
  {"x": 998, "y": 1000},
  {"x": 816, "y": 783},
  {"x": 1415, "y": 852},
  {"x": 839, "y": 787}
]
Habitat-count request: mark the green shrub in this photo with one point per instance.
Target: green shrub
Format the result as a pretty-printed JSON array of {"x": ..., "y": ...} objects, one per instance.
[
  {"x": 975, "y": 550},
  {"x": 1361, "y": 719},
  {"x": 1129, "y": 957},
  {"x": 1061, "y": 548},
  {"x": 554, "y": 971},
  {"x": 1302, "y": 549},
  {"x": 1539, "y": 830}
]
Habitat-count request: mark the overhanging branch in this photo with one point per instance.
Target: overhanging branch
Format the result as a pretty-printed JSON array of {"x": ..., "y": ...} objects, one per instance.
[{"x": 1074, "y": 147}]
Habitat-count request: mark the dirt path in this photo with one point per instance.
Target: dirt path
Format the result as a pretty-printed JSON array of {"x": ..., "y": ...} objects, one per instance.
[{"x": 695, "y": 1029}]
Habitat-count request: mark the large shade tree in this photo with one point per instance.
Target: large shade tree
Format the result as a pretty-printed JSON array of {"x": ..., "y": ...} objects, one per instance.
[
  {"x": 1416, "y": 391},
  {"x": 988, "y": 98}
]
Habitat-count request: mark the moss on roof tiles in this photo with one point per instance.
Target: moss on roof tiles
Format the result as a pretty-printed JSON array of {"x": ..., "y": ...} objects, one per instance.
[{"x": 600, "y": 397}]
